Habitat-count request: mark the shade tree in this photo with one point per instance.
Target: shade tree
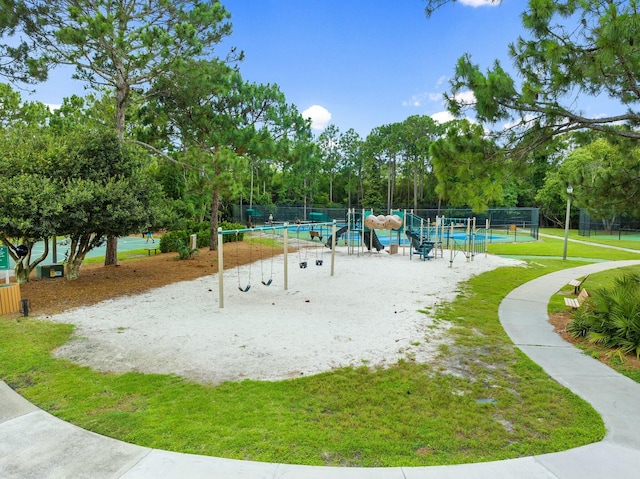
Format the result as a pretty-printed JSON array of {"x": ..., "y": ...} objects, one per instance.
[
  {"x": 122, "y": 45},
  {"x": 605, "y": 177},
  {"x": 572, "y": 51},
  {"x": 469, "y": 167},
  {"x": 205, "y": 109}
]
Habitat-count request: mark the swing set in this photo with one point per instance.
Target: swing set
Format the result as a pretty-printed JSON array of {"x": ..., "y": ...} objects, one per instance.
[
  {"x": 265, "y": 281},
  {"x": 304, "y": 262}
]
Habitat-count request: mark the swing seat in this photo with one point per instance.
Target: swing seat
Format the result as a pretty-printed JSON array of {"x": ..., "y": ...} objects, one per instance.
[
  {"x": 303, "y": 264},
  {"x": 267, "y": 283},
  {"x": 318, "y": 262},
  {"x": 245, "y": 289}
]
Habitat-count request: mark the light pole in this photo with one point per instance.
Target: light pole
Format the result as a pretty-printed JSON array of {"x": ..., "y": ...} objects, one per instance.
[{"x": 566, "y": 222}]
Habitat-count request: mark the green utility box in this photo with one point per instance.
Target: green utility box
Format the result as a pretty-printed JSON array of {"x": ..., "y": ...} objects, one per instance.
[{"x": 50, "y": 271}]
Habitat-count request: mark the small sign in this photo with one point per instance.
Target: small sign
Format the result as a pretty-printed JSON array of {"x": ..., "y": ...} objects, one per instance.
[{"x": 4, "y": 258}]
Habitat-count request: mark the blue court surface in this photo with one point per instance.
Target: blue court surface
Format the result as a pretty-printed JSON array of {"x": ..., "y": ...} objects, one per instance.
[{"x": 125, "y": 243}]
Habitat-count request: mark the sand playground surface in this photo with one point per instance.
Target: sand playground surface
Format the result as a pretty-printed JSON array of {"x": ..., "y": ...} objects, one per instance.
[{"x": 367, "y": 313}]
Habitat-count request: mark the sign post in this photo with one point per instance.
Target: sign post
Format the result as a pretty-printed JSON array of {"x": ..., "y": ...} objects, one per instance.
[{"x": 4, "y": 262}]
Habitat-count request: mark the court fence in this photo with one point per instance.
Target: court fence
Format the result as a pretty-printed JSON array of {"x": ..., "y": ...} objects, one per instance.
[{"x": 525, "y": 220}]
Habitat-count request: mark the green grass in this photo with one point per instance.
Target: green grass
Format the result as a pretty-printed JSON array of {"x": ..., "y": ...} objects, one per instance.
[
  {"x": 480, "y": 400},
  {"x": 131, "y": 255},
  {"x": 574, "y": 234},
  {"x": 554, "y": 247}
]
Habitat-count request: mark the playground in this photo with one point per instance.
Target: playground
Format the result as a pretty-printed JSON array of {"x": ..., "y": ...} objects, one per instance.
[{"x": 367, "y": 313}]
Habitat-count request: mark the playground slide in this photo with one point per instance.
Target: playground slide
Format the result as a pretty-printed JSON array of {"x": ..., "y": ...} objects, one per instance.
[
  {"x": 422, "y": 248},
  {"x": 339, "y": 233},
  {"x": 374, "y": 240}
]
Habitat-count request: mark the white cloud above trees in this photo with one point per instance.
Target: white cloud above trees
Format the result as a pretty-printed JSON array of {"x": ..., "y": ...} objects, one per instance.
[{"x": 319, "y": 115}]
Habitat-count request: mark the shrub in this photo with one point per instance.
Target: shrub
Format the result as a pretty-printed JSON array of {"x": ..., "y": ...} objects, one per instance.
[
  {"x": 172, "y": 240},
  {"x": 611, "y": 316},
  {"x": 185, "y": 252},
  {"x": 226, "y": 225}
]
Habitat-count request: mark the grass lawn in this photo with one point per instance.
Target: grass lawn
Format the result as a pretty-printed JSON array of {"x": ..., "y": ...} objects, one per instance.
[{"x": 480, "y": 400}]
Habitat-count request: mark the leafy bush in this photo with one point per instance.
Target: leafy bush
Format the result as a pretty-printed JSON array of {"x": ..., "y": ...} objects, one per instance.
[
  {"x": 173, "y": 240},
  {"x": 611, "y": 316},
  {"x": 185, "y": 252},
  {"x": 226, "y": 225}
]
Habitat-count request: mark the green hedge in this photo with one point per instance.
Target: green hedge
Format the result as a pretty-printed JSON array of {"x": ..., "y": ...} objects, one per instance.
[{"x": 173, "y": 240}]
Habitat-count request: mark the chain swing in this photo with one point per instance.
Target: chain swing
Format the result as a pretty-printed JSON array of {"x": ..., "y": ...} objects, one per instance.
[
  {"x": 303, "y": 264},
  {"x": 270, "y": 280},
  {"x": 248, "y": 286},
  {"x": 320, "y": 260}
]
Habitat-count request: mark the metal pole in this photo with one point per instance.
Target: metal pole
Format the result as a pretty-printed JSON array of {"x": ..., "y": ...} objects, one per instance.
[
  {"x": 286, "y": 256},
  {"x": 333, "y": 246},
  {"x": 54, "y": 249},
  {"x": 486, "y": 237},
  {"x": 566, "y": 228},
  {"x": 220, "y": 270},
  {"x": 452, "y": 245}
]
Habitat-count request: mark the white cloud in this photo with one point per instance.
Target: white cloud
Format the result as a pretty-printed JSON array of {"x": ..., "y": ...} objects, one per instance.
[
  {"x": 319, "y": 115},
  {"x": 419, "y": 100},
  {"x": 466, "y": 98},
  {"x": 442, "y": 117},
  {"x": 480, "y": 3},
  {"x": 52, "y": 106},
  {"x": 415, "y": 101}
]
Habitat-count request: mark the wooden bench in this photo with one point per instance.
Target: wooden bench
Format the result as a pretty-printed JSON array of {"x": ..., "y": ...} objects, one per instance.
[
  {"x": 576, "y": 302},
  {"x": 152, "y": 248},
  {"x": 577, "y": 284},
  {"x": 315, "y": 234}
]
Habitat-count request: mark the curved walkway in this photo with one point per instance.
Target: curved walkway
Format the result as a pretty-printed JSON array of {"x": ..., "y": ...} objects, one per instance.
[{"x": 34, "y": 444}]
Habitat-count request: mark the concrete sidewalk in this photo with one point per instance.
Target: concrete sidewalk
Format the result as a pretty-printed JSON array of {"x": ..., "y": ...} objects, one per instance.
[{"x": 34, "y": 444}]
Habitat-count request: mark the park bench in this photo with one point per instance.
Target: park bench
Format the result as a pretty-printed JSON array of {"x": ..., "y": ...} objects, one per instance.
[
  {"x": 577, "y": 284},
  {"x": 576, "y": 302},
  {"x": 153, "y": 248}
]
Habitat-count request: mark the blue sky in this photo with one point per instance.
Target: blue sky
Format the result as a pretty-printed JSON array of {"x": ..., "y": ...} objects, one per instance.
[
  {"x": 356, "y": 63},
  {"x": 366, "y": 62}
]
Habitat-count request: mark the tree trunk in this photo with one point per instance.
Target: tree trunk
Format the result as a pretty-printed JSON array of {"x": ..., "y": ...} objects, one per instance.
[
  {"x": 24, "y": 266},
  {"x": 349, "y": 190},
  {"x": 122, "y": 96},
  {"x": 415, "y": 190},
  {"x": 111, "y": 253},
  {"x": 72, "y": 271},
  {"x": 331, "y": 188},
  {"x": 22, "y": 273}
]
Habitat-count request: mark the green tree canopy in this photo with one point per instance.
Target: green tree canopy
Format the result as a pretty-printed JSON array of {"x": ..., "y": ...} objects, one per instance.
[
  {"x": 207, "y": 110},
  {"x": 469, "y": 169},
  {"x": 121, "y": 45},
  {"x": 573, "y": 50},
  {"x": 605, "y": 176}
]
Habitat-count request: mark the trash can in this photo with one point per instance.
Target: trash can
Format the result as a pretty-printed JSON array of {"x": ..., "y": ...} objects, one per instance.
[
  {"x": 9, "y": 298},
  {"x": 50, "y": 271}
]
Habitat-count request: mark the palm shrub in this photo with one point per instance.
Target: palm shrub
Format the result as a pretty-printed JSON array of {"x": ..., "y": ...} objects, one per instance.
[
  {"x": 185, "y": 252},
  {"x": 611, "y": 316}
]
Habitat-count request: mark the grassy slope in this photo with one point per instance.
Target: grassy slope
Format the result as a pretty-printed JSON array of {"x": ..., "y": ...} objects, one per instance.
[{"x": 410, "y": 414}]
